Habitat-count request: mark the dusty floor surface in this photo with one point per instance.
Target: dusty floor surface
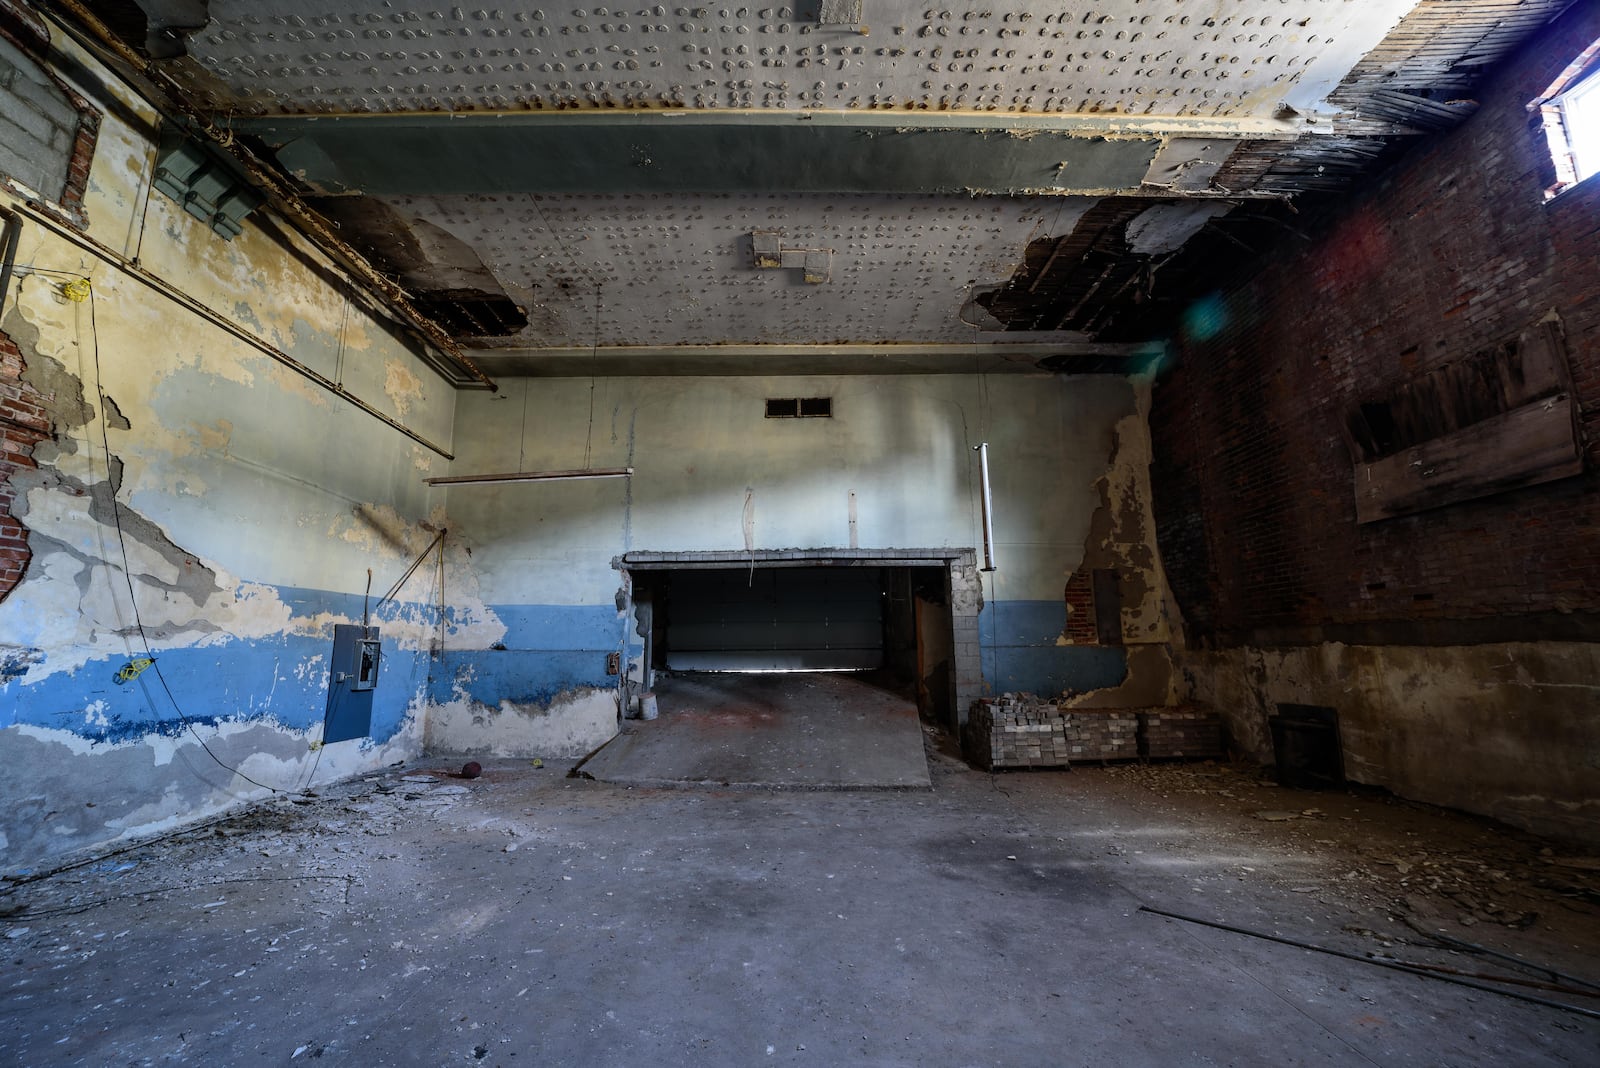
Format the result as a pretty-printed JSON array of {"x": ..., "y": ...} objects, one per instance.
[
  {"x": 530, "y": 918},
  {"x": 801, "y": 730}
]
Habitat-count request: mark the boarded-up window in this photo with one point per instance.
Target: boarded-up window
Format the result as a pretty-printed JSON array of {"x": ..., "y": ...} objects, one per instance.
[{"x": 1496, "y": 420}]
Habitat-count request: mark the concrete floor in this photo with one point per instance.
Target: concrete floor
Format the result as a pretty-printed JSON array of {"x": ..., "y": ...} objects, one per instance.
[
  {"x": 802, "y": 731},
  {"x": 531, "y": 918}
]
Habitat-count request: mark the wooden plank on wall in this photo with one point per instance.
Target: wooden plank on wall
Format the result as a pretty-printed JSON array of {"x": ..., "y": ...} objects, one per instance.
[{"x": 1535, "y": 443}]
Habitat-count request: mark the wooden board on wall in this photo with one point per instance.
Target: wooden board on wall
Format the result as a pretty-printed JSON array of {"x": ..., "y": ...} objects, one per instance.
[{"x": 1526, "y": 446}]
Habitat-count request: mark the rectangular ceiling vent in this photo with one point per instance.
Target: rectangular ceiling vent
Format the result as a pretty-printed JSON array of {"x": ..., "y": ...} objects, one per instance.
[{"x": 799, "y": 407}]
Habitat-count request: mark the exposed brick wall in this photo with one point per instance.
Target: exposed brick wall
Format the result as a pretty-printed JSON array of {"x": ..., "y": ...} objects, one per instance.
[
  {"x": 1079, "y": 595},
  {"x": 23, "y": 424},
  {"x": 1452, "y": 250},
  {"x": 82, "y": 156}
]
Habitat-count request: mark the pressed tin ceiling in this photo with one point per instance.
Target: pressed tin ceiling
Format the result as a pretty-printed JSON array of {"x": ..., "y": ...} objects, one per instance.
[
  {"x": 1052, "y": 180},
  {"x": 1166, "y": 57},
  {"x": 677, "y": 270}
]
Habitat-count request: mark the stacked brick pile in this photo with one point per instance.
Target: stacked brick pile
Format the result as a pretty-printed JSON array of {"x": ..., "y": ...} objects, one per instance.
[
  {"x": 1185, "y": 731},
  {"x": 1022, "y": 731}
]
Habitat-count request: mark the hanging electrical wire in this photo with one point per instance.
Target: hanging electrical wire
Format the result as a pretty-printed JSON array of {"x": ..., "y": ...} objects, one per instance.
[
  {"x": 80, "y": 289},
  {"x": 86, "y": 288}
]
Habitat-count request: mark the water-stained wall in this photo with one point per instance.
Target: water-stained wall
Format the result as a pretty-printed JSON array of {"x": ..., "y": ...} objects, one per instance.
[
  {"x": 893, "y": 468},
  {"x": 176, "y": 492}
]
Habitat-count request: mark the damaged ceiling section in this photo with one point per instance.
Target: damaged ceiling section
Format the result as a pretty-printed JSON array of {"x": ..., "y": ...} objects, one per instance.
[
  {"x": 552, "y": 179},
  {"x": 444, "y": 275}
]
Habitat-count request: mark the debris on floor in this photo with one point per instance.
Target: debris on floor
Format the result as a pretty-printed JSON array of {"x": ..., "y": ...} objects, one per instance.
[{"x": 404, "y": 917}]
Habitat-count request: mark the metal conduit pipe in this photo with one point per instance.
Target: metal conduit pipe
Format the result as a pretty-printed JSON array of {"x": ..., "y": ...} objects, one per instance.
[
  {"x": 216, "y": 318},
  {"x": 8, "y": 252}
]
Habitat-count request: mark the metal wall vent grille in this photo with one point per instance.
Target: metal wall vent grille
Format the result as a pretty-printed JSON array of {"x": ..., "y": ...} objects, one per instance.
[{"x": 799, "y": 407}]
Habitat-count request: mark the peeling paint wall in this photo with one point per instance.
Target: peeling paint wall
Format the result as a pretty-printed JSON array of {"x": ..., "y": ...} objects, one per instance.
[
  {"x": 189, "y": 491},
  {"x": 1122, "y": 540},
  {"x": 540, "y": 601}
]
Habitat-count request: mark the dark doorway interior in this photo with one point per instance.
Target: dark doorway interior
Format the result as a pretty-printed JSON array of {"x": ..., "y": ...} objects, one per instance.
[
  {"x": 774, "y": 619},
  {"x": 894, "y": 621}
]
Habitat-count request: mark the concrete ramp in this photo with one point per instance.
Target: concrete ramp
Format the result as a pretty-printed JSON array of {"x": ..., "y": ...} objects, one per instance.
[{"x": 796, "y": 731}]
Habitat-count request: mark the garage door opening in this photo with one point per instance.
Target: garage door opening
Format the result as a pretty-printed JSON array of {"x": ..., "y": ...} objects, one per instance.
[
  {"x": 888, "y": 619},
  {"x": 771, "y": 620}
]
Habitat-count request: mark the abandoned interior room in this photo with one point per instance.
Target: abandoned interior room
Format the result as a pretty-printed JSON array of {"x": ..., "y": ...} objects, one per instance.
[{"x": 800, "y": 531}]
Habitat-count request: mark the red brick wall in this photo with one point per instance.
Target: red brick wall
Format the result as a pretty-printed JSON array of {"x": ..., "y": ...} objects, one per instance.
[
  {"x": 1079, "y": 593},
  {"x": 1452, "y": 250},
  {"x": 82, "y": 155},
  {"x": 23, "y": 424}
]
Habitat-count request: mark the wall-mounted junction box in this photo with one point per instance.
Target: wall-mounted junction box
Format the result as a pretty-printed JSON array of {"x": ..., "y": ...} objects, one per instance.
[{"x": 352, "y": 676}]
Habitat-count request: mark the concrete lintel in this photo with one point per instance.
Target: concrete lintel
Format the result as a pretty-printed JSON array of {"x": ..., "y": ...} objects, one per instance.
[{"x": 661, "y": 561}]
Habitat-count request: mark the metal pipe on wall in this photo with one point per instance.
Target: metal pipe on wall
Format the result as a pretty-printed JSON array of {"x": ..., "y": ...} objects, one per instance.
[
  {"x": 128, "y": 267},
  {"x": 531, "y": 476},
  {"x": 8, "y": 251},
  {"x": 166, "y": 94},
  {"x": 988, "y": 505}
]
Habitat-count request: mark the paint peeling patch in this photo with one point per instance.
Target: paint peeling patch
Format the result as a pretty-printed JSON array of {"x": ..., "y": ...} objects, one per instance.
[
  {"x": 1165, "y": 227},
  {"x": 1150, "y": 680},
  {"x": 1122, "y": 531},
  {"x": 571, "y": 723},
  {"x": 114, "y": 417},
  {"x": 244, "y": 313},
  {"x": 158, "y": 783},
  {"x": 15, "y": 662},
  {"x": 380, "y": 528},
  {"x": 402, "y": 387},
  {"x": 214, "y": 437}
]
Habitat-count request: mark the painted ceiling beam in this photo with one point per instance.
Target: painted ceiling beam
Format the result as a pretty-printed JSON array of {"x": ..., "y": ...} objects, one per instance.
[
  {"x": 990, "y": 357},
  {"x": 1288, "y": 126}
]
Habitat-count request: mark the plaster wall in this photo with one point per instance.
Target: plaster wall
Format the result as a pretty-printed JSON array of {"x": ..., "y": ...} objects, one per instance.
[
  {"x": 195, "y": 494},
  {"x": 1507, "y": 730},
  {"x": 545, "y": 602}
]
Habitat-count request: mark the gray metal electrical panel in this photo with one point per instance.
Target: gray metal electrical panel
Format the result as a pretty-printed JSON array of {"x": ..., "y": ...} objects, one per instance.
[{"x": 353, "y": 675}]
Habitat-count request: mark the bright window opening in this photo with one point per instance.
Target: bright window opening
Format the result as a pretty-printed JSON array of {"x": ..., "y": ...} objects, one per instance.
[
  {"x": 1580, "y": 110},
  {"x": 1570, "y": 110}
]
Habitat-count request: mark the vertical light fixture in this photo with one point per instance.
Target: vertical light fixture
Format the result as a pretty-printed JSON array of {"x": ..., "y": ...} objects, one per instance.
[{"x": 988, "y": 505}]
